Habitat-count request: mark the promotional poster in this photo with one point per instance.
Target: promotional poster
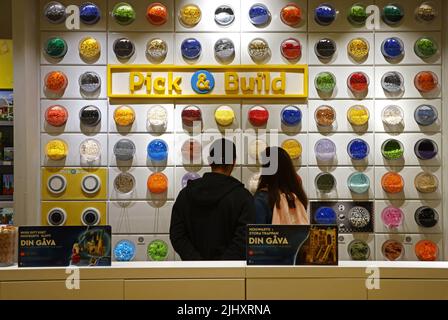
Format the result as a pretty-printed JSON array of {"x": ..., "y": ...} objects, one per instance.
[
  {"x": 64, "y": 246},
  {"x": 292, "y": 245}
]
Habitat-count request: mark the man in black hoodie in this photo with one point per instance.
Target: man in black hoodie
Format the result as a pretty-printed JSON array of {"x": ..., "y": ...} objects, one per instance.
[{"x": 210, "y": 215}]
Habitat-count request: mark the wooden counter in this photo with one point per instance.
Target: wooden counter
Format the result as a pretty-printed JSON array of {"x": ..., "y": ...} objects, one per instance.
[{"x": 231, "y": 281}]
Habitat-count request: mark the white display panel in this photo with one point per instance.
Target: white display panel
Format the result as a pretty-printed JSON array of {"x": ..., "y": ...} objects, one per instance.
[
  {"x": 341, "y": 191},
  {"x": 409, "y": 123},
  {"x": 141, "y": 192},
  {"x": 73, "y": 57},
  {"x": 101, "y": 25},
  {"x": 139, "y": 217},
  {"x": 207, "y": 41},
  {"x": 408, "y": 73},
  {"x": 73, "y": 159},
  {"x": 206, "y": 140},
  {"x": 141, "y": 243},
  {"x": 209, "y": 123},
  {"x": 409, "y": 23},
  {"x": 141, "y": 123},
  {"x": 73, "y": 124},
  {"x": 272, "y": 140},
  {"x": 248, "y": 178},
  {"x": 140, "y": 41},
  {"x": 344, "y": 241},
  {"x": 141, "y": 23},
  {"x": 146, "y": 214},
  {"x": 341, "y": 124},
  {"x": 410, "y": 192},
  {"x": 341, "y": 91},
  {"x": 274, "y": 41},
  {"x": 275, "y": 117},
  {"x": 342, "y": 157},
  {"x": 408, "y": 241},
  {"x": 409, "y": 39},
  {"x": 207, "y": 22},
  {"x": 249, "y": 172},
  {"x": 274, "y": 7},
  {"x": 341, "y": 56},
  {"x": 73, "y": 91},
  {"x": 341, "y": 23},
  {"x": 408, "y": 207},
  {"x": 141, "y": 157},
  {"x": 408, "y": 140}
]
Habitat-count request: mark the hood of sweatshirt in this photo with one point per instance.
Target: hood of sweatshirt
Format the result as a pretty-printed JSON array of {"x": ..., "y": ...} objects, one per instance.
[{"x": 211, "y": 188}]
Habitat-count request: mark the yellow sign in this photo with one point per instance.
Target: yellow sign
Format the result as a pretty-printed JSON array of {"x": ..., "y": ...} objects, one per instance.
[
  {"x": 6, "y": 64},
  {"x": 218, "y": 82},
  {"x": 73, "y": 178},
  {"x": 74, "y": 211}
]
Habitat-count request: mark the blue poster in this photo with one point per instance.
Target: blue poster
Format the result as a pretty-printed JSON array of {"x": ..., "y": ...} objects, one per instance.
[{"x": 65, "y": 246}]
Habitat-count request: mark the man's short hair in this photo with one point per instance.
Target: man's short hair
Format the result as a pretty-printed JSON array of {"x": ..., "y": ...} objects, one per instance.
[{"x": 222, "y": 153}]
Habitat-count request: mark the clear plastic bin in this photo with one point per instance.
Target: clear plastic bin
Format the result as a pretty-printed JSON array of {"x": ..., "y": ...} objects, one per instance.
[{"x": 8, "y": 236}]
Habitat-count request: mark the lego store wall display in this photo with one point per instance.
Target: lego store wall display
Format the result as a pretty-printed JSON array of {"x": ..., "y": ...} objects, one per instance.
[{"x": 131, "y": 101}]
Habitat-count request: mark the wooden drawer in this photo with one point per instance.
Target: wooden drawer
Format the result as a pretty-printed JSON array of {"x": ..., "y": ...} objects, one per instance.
[
  {"x": 56, "y": 290},
  {"x": 403, "y": 289},
  {"x": 305, "y": 289},
  {"x": 185, "y": 289}
]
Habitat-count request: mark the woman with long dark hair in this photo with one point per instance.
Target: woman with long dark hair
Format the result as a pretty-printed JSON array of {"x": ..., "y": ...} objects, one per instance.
[{"x": 280, "y": 198}]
